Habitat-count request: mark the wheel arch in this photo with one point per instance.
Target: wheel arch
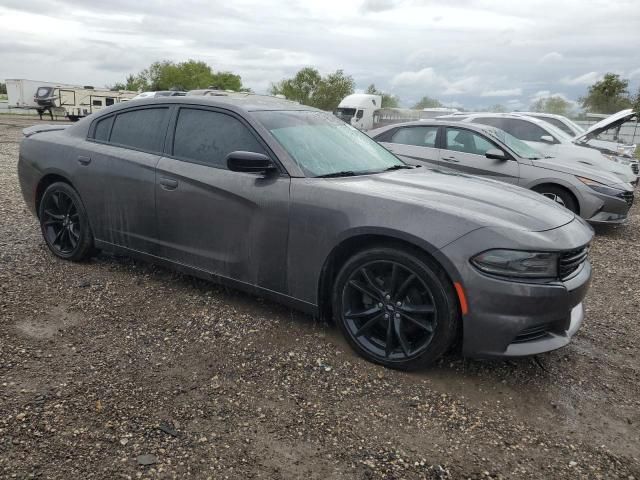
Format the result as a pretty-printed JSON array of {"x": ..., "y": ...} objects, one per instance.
[
  {"x": 43, "y": 184},
  {"x": 368, "y": 238},
  {"x": 561, "y": 185}
]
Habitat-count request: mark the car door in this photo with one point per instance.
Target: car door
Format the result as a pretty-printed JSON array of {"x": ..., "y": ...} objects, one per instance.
[
  {"x": 465, "y": 152},
  {"x": 415, "y": 144},
  {"x": 118, "y": 175},
  {"x": 231, "y": 224}
]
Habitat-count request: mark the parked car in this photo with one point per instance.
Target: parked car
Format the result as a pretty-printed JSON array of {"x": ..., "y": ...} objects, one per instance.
[
  {"x": 589, "y": 137},
  {"x": 476, "y": 149},
  {"x": 160, "y": 93},
  {"x": 289, "y": 202},
  {"x": 549, "y": 140}
]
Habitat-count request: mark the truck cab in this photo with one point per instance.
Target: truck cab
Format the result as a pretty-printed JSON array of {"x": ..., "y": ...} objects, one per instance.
[{"x": 357, "y": 110}]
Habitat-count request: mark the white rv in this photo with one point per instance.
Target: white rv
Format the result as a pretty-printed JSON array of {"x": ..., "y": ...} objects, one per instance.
[
  {"x": 62, "y": 100},
  {"x": 77, "y": 102}
]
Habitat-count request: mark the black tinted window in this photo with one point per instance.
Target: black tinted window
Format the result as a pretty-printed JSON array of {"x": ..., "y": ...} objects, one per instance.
[
  {"x": 521, "y": 129},
  {"x": 142, "y": 129},
  {"x": 419, "y": 136},
  {"x": 559, "y": 124},
  {"x": 208, "y": 137},
  {"x": 103, "y": 127}
]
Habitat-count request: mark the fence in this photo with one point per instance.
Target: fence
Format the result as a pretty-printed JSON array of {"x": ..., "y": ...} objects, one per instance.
[{"x": 629, "y": 132}]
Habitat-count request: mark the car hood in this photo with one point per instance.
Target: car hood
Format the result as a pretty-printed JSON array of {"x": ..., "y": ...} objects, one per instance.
[
  {"x": 611, "y": 121},
  {"x": 578, "y": 169},
  {"x": 482, "y": 201},
  {"x": 568, "y": 153}
]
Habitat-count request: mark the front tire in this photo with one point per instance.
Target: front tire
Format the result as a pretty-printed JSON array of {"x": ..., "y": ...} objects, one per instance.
[
  {"x": 64, "y": 223},
  {"x": 559, "y": 195},
  {"x": 395, "y": 308}
]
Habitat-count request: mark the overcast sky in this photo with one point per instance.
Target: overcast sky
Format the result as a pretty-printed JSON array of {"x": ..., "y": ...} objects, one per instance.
[{"x": 463, "y": 52}]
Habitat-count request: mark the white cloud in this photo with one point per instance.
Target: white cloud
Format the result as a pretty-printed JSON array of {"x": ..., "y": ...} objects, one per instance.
[
  {"x": 634, "y": 73},
  {"x": 434, "y": 84},
  {"x": 551, "y": 57},
  {"x": 509, "y": 92},
  {"x": 585, "y": 79}
]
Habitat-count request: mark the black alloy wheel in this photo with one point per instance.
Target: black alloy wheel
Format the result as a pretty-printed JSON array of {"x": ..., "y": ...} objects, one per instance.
[
  {"x": 64, "y": 224},
  {"x": 558, "y": 195},
  {"x": 395, "y": 308}
]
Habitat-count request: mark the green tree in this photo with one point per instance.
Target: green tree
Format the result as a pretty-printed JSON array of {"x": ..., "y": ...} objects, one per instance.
[
  {"x": 309, "y": 88},
  {"x": 3, "y": 88},
  {"x": 556, "y": 105},
  {"x": 189, "y": 75},
  {"x": 388, "y": 100},
  {"x": 609, "y": 95},
  {"x": 427, "y": 102},
  {"x": 636, "y": 103}
]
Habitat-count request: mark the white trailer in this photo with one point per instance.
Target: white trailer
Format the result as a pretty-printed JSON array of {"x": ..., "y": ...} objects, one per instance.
[
  {"x": 364, "y": 111},
  {"x": 21, "y": 92},
  {"x": 62, "y": 100}
]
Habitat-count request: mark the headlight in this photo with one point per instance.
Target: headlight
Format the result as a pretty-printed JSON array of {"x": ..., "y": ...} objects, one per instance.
[
  {"x": 600, "y": 187},
  {"x": 516, "y": 263},
  {"x": 613, "y": 158}
]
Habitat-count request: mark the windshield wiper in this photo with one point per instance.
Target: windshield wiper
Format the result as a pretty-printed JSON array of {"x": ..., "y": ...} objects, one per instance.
[
  {"x": 344, "y": 173},
  {"x": 398, "y": 167}
]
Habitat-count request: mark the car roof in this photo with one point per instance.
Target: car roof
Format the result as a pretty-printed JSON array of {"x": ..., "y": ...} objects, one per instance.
[
  {"x": 237, "y": 101},
  {"x": 435, "y": 122}
]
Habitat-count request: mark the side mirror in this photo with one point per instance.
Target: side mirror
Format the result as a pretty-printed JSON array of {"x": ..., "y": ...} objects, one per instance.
[
  {"x": 250, "y": 162},
  {"x": 547, "y": 138},
  {"x": 496, "y": 154}
]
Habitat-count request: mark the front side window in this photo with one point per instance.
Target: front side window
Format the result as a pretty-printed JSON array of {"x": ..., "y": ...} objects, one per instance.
[
  {"x": 140, "y": 129},
  {"x": 465, "y": 141},
  {"x": 522, "y": 129},
  {"x": 323, "y": 145},
  {"x": 418, "y": 136},
  {"x": 559, "y": 124},
  {"x": 360, "y": 114},
  {"x": 207, "y": 137}
]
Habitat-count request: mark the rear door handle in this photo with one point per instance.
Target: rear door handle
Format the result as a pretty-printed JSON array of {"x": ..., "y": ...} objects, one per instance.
[
  {"x": 83, "y": 160},
  {"x": 451, "y": 159},
  {"x": 168, "y": 183}
]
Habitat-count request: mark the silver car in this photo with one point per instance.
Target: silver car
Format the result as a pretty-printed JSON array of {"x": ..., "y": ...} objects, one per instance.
[
  {"x": 549, "y": 140},
  {"x": 596, "y": 195}
]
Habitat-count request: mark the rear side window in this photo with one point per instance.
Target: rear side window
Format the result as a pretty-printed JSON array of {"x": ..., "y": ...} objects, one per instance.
[
  {"x": 140, "y": 129},
  {"x": 103, "y": 128},
  {"x": 559, "y": 124},
  {"x": 207, "y": 137},
  {"x": 521, "y": 129},
  {"x": 418, "y": 136}
]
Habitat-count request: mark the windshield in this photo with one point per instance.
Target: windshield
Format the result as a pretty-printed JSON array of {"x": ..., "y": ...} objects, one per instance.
[
  {"x": 323, "y": 145},
  {"x": 517, "y": 146}
]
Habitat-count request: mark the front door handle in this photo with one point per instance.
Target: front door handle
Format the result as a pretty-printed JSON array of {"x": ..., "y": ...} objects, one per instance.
[
  {"x": 451, "y": 159},
  {"x": 84, "y": 160},
  {"x": 168, "y": 183}
]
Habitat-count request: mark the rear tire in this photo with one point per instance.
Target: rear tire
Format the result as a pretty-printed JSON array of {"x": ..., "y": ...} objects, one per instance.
[
  {"x": 64, "y": 223},
  {"x": 395, "y": 308},
  {"x": 559, "y": 195}
]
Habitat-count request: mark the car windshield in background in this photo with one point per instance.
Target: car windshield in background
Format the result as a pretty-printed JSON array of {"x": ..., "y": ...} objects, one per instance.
[
  {"x": 323, "y": 145},
  {"x": 518, "y": 146}
]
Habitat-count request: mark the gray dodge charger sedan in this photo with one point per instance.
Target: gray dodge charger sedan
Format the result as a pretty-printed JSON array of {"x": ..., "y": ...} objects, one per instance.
[{"x": 291, "y": 203}]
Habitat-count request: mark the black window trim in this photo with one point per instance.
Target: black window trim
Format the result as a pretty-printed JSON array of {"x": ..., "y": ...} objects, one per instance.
[
  {"x": 173, "y": 124},
  {"x": 162, "y": 143}
]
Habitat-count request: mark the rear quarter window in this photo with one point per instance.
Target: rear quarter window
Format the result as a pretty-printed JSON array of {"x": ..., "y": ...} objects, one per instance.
[{"x": 103, "y": 129}]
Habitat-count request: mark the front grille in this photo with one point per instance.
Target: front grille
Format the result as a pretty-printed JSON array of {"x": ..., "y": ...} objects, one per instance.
[
  {"x": 627, "y": 197},
  {"x": 635, "y": 168},
  {"x": 533, "y": 333},
  {"x": 570, "y": 261}
]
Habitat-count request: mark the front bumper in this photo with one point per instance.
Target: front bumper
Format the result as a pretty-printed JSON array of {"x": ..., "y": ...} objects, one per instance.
[
  {"x": 606, "y": 209},
  {"x": 508, "y": 318}
]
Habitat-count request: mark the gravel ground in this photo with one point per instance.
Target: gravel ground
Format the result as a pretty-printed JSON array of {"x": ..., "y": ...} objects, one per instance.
[{"x": 119, "y": 369}]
